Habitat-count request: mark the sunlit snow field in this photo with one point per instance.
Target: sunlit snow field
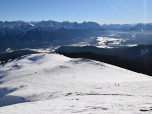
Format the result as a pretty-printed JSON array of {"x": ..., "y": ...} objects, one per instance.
[
  {"x": 101, "y": 42},
  {"x": 54, "y": 84}
]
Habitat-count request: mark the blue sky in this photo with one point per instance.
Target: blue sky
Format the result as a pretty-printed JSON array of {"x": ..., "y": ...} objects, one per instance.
[{"x": 100, "y": 11}]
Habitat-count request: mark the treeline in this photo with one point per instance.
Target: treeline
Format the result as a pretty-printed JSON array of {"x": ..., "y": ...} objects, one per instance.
[
  {"x": 4, "y": 61},
  {"x": 144, "y": 68},
  {"x": 8, "y": 57},
  {"x": 15, "y": 54}
]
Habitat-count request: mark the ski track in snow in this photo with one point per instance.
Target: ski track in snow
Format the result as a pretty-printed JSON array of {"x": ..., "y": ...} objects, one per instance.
[{"x": 53, "y": 83}]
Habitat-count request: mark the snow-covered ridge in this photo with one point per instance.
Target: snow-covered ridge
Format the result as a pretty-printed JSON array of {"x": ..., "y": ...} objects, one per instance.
[
  {"x": 52, "y": 83},
  {"x": 21, "y": 26},
  {"x": 116, "y": 26},
  {"x": 138, "y": 26},
  {"x": 142, "y": 27}
]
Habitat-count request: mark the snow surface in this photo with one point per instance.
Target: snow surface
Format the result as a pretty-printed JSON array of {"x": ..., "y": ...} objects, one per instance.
[
  {"x": 101, "y": 42},
  {"x": 55, "y": 84}
]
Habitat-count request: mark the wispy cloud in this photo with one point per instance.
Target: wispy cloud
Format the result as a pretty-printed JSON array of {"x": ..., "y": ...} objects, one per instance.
[
  {"x": 72, "y": 13},
  {"x": 113, "y": 8}
]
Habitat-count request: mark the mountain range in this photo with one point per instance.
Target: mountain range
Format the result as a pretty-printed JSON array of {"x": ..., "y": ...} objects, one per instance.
[
  {"x": 140, "y": 27},
  {"x": 20, "y": 30},
  {"x": 50, "y": 26},
  {"x": 20, "y": 34}
]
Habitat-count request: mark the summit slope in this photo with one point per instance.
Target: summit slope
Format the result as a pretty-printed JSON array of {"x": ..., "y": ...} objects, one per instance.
[{"x": 52, "y": 83}]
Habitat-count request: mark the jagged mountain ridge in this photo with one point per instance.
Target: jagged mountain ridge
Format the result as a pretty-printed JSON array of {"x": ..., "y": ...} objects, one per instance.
[
  {"x": 116, "y": 26},
  {"x": 21, "y": 26},
  {"x": 128, "y": 27},
  {"x": 15, "y": 30},
  {"x": 141, "y": 27}
]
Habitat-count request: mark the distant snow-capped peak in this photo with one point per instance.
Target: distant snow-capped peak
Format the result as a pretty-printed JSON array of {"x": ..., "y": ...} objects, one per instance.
[{"x": 21, "y": 26}]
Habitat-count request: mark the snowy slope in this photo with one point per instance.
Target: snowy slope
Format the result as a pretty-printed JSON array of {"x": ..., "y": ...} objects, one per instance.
[{"x": 52, "y": 83}]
